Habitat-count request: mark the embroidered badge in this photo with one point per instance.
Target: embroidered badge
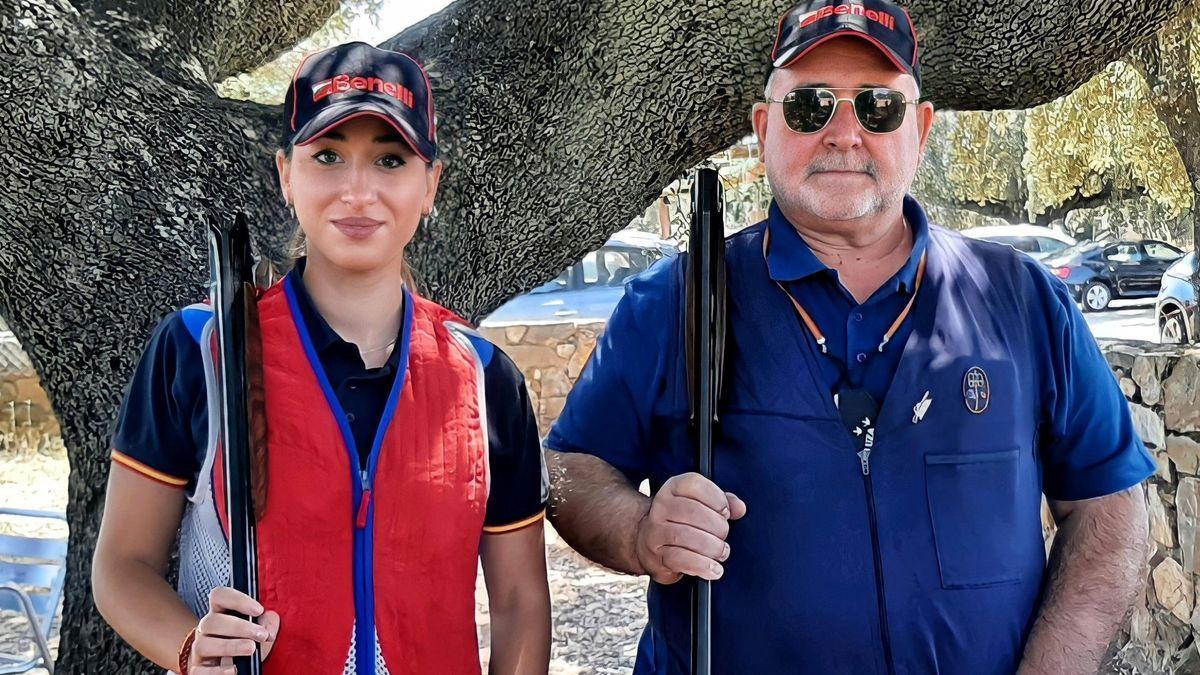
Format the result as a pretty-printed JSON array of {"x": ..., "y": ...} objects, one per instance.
[{"x": 977, "y": 392}]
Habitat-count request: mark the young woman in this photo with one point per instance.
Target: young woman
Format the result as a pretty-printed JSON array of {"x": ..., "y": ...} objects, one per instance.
[{"x": 401, "y": 445}]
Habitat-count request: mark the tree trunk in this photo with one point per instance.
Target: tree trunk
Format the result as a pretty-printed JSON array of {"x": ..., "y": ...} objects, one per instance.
[
  {"x": 1166, "y": 63},
  {"x": 560, "y": 121}
]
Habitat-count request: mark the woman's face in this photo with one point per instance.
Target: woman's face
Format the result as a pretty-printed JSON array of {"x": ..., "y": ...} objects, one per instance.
[{"x": 359, "y": 193}]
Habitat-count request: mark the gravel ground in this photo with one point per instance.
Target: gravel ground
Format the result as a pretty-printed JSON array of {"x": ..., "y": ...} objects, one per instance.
[{"x": 598, "y": 615}]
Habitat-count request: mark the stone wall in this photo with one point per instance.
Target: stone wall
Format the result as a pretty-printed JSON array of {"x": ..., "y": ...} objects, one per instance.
[
  {"x": 551, "y": 356},
  {"x": 1163, "y": 388}
]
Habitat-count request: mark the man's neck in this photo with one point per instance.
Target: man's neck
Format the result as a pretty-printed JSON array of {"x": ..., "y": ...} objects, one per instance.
[
  {"x": 365, "y": 309},
  {"x": 864, "y": 254}
]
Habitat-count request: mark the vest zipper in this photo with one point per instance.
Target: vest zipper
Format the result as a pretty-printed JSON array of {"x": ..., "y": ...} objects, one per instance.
[
  {"x": 364, "y": 607},
  {"x": 881, "y": 600}
]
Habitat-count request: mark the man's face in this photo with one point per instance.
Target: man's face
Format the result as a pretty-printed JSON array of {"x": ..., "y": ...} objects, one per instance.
[{"x": 842, "y": 172}]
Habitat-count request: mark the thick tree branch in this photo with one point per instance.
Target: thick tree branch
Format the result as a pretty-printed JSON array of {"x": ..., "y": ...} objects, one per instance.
[{"x": 223, "y": 38}]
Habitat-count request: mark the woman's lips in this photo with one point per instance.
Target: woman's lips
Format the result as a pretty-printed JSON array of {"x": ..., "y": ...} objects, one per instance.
[{"x": 357, "y": 228}]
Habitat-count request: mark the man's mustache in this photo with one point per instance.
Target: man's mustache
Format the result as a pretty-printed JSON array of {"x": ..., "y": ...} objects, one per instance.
[{"x": 834, "y": 163}]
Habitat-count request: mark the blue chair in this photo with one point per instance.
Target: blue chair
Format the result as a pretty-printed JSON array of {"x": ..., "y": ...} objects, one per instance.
[{"x": 32, "y": 570}]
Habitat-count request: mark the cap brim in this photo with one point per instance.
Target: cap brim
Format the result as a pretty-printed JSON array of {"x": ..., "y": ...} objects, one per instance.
[
  {"x": 344, "y": 111},
  {"x": 791, "y": 54}
]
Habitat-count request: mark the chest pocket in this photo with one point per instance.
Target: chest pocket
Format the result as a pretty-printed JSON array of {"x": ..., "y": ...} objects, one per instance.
[
  {"x": 974, "y": 507},
  {"x": 980, "y": 476}
]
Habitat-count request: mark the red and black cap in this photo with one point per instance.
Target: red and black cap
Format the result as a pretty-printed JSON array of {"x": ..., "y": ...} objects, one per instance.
[
  {"x": 356, "y": 79},
  {"x": 880, "y": 22}
]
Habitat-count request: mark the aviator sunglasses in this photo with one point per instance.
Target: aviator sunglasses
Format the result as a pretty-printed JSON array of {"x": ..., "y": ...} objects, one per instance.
[{"x": 879, "y": 110}]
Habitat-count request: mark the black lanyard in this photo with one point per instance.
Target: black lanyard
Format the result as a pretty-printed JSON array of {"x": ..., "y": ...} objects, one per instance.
[{"x": 857, "y": 408}]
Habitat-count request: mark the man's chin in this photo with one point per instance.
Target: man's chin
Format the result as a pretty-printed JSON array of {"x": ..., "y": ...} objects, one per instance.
[{"x": 837, "y": 207}]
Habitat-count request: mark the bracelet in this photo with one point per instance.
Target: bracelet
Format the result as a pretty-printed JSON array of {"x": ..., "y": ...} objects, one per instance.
[{"x": 185, "y": 651}]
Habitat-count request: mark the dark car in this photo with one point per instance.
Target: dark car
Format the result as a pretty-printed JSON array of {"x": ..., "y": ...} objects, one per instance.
[
  {"x": 1098, "y": 273},
  {"x": 1176, "y": 305}
]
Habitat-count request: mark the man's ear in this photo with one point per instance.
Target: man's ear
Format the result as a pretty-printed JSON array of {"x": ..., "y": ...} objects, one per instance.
[{"x": 925, "y": 117}]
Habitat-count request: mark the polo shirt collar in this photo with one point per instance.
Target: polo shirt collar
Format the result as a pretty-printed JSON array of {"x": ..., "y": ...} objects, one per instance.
[
  {"x": 790, "y": 258},
  {"x": 319, "y": 331}
]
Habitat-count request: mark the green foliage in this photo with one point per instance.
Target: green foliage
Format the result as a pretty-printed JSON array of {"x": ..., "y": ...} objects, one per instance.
[
  {"x": 268, "y": 83},
  {"x": 1105, "y": 131}
]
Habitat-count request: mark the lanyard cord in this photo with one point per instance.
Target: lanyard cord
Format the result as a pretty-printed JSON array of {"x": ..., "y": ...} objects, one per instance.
[{"x": 812, "y": 325}]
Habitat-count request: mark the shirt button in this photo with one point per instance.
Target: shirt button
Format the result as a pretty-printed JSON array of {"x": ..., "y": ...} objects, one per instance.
[
  {"x": 353, "y": 387},
  {"x": 862, "y": 358},
  {"x": 350, "y": 417},
  {"x": 858, "y": 316}
]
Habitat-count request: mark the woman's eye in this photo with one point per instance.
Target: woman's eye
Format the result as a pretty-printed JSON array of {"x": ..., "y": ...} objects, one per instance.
[
  {"x": 391, "y": 161},
  {"x": 326, "y": 157}
]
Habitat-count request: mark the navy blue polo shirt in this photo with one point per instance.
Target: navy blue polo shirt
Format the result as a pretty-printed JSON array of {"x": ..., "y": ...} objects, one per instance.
[
  {"x": 852, "y": 331},
  {"x": 993, "y": 394},
  {"x": 163, "y": 422}
]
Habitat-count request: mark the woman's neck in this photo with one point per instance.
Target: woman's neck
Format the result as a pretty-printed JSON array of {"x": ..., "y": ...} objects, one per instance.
[{"x": 364, "y": 308}]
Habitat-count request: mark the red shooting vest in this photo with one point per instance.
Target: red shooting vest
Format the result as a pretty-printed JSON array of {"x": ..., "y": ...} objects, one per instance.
[{"x": 343, "y": 565}]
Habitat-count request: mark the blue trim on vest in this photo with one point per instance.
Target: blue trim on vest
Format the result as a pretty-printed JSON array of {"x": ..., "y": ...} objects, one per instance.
[
  {"x": 483, "y": 347},
  {"x": 364, "y": 601},
  {"x": 195, "y": 318}
]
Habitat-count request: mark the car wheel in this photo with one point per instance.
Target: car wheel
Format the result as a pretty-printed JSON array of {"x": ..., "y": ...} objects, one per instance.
[
  {"x": 1173, "y": 330},
  {"x": 1096, "y": 296}
]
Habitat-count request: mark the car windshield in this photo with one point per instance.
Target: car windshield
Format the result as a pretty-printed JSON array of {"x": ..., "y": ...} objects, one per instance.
[
  {"x": 615, "y": 266},
  {"x": 558, "y": 283},
  {"x": 1026, "y": 244},
  {"x": 1183, "y": 266},
  {"x": 1078, "y": 251},
  {"x": 608, "y": 266}
]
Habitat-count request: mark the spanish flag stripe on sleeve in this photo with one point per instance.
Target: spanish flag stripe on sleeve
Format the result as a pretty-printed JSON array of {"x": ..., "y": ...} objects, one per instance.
[
  {"x": 153, "y": 474},
  {"x": 499, "y": 529}
]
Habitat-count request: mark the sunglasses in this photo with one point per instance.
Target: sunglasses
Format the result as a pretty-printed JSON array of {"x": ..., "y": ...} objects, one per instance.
[{"x": 879, "y": 111}]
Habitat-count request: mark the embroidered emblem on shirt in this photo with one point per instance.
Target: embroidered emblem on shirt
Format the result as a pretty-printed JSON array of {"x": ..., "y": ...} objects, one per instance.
[{"x": 977, "y": 392}]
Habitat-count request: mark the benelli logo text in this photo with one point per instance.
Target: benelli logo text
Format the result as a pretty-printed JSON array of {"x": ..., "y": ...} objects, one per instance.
[
  {"x": 344, "y": 83},
  {"x": 854, "y": 9}
]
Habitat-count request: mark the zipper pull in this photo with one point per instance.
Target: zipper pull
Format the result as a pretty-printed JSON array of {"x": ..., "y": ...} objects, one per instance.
[
  {"x": 864, "y": 457},
  {"x": 360, "y": 520}
]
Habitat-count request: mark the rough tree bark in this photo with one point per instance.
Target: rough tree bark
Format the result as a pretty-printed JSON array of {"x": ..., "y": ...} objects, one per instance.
[{"x": 561, "y": 121}]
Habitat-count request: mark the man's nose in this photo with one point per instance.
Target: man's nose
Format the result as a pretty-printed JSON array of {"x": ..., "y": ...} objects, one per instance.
[{"x": 843, "y": 131}]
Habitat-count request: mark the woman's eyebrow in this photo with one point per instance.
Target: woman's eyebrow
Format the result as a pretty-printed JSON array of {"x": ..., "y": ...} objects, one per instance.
[{"x": 389, "y": 138}]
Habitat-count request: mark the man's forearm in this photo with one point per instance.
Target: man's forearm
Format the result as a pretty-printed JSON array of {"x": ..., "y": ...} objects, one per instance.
[
  {"x": 595, "y": 509},
  {"x": 1096, "y": 569}
]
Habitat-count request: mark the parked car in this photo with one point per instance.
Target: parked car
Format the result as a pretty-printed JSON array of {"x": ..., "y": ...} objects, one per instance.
[
  {"x": 1176, "y": 304},
  {"x": 1039, "y": 242},
  {"x": 590, "y": 289},
  {"x": 1098, "y": 273}
]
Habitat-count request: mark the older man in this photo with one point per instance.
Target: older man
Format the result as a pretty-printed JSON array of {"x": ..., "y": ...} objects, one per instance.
[{"x": 898, "y": 400}]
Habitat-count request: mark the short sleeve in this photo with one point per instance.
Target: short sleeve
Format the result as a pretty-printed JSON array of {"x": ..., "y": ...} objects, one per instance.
[
  {"x": 519, "y": 485},
  {"x": 609, "y": 411},
  {"x": 1088, "y": 444},
  {"x": 164, "y": 408}
]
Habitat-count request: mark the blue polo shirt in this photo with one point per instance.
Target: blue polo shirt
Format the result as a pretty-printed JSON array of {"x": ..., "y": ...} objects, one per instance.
[
  {"x": 852, "y": 331},
  {"x": 162, "y": 427},
  {"x": 992, "y": 394}
]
